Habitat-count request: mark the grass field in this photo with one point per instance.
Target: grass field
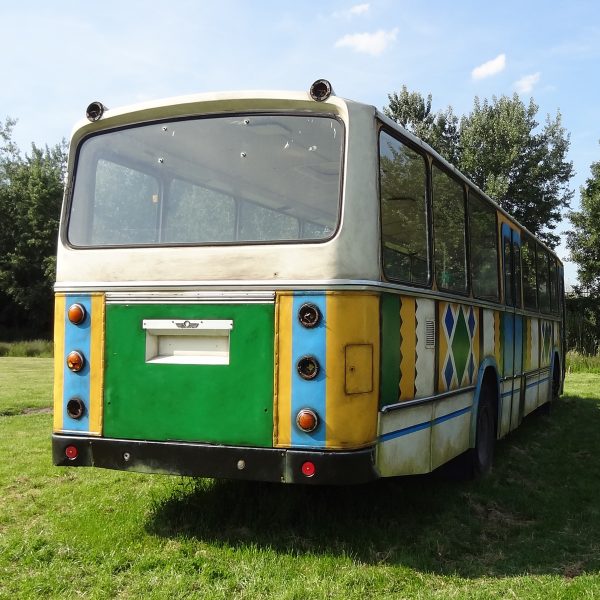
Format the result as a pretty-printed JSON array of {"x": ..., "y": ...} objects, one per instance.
[{"x": 530, "y": 530}]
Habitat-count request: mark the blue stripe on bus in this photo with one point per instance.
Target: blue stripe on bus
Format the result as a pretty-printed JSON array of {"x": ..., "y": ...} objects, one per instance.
[
  {"x": 77, "y": 337},
  {"x": 311, "y": 393},
  {"x": 537, "y": 382},
  {"x": 386, "y": 437}
]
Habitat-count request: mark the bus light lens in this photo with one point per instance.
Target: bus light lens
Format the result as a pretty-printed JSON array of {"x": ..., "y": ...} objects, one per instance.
[
  {"x": 309, "y": 315},
  {"x": 76, "y": 314},
  {"x": 308, "y": 367},
  {"x": 320, "y": 90},
  {"x": 75, "y": 361},
  {"x": 308, "y": 469},
  {"x": 307, "y": 420},
  {"x": 71, "y": 452},
  {"x": 75, "y": 408}
]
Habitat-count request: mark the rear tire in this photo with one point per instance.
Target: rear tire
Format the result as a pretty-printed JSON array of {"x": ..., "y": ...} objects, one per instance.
[
  {"x": 477, "y": 462},
  {"x": 485, "y": 437}
]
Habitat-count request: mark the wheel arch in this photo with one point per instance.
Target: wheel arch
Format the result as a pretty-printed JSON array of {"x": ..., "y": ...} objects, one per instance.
[{"x": 487, "y": 375}]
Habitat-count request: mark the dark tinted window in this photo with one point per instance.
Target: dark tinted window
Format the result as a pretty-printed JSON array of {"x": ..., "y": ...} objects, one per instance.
[
  {"x": 484, "y": 248},
  {"x": 449, "y": 232},
  {"x": 553, "y": 285},
  {"x": 403, "y": 212},
  {"x": 529, "y": 274},
  {"x": 543, "y": 279}
]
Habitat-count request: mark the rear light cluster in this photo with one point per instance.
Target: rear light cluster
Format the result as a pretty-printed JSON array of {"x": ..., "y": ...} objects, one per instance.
[
  {"x": 75, "y": 362},
  {"x": 308, "y": 367}
]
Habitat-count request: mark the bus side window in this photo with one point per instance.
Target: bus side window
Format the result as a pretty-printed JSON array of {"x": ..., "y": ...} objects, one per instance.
[
  {"x": 529, "y": 274},
  {"x": 449, "y": 232},
  {"x": 542, "y": 279},
  {"x": 484, "y": 248},
  {"x": 517, "y": 273},
  {"x": 509, "y": 288},
  {"x": 403, "y": 185},
  {"x": 553, "y": 286}
]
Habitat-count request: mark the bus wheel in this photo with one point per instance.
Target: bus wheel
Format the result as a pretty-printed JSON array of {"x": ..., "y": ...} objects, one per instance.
[{"x": 477, "y": 461}]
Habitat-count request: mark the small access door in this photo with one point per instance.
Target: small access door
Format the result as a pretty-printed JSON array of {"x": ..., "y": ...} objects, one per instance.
[{"x": 511, "y": 331}]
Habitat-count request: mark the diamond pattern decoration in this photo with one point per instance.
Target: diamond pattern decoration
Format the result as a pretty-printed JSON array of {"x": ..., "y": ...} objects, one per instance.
[{"x": 459, "y": 330}]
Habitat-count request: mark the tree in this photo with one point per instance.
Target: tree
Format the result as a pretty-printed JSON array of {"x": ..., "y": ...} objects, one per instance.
[
  {"x": 584, "y": 239},
  {"x": 500, "y": 147},
  {"x": 31, "y": 191}
]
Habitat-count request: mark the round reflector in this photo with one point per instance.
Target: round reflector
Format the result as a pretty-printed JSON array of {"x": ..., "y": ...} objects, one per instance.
[
  {"x": 308, "y": 469},
  {"x": 307, "y": 420},
  {"x": 71, "y": 452},
  {"x": 75, "y": 361},
  {"x": 76, "y": 313}
]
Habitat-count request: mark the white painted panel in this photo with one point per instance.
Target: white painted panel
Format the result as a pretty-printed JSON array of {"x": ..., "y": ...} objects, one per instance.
[
  {"x": 408, "y": 452},
  {"x": 488, "y": 333},
  {"x": 531, "y": 393},
  {"x": 505, "y": 406},
  {"x": 425, "y": 363},
  {"x": 450, "y": 432}
]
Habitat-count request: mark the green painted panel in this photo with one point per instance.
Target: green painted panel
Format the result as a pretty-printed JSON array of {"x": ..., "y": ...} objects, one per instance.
[
  {"x": 461, "y": 344},
  {"x": 222, "y": 404},
  {"x": 390, "y": 349}
]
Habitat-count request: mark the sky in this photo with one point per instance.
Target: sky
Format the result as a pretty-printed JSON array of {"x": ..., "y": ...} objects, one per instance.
[{"x": 59, "y": 56}]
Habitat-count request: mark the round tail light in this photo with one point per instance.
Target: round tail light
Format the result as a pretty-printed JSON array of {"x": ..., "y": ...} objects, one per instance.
[
  {"x": 75, "y": 361},
  {"x": 309, "y": 315},
  {"x": 76, "y": 314},
  {"x": 307, "y": 420},
  {"x": 75, "y": 408},
  {"x": 308, "y": 367}
]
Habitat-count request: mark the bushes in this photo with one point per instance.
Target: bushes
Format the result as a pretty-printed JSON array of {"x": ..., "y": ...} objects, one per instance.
[
  {"x": 582, "y": 363},
  {"x": 32, "y": 348}
]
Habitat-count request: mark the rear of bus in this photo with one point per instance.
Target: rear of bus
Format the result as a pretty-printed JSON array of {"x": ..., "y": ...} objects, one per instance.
[{"x": 209, "y": 317}]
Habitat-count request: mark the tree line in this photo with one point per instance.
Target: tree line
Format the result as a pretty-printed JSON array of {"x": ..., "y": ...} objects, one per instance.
[
  {"x": 499, "y": 145},
  {"x": 31, "y": 191}
]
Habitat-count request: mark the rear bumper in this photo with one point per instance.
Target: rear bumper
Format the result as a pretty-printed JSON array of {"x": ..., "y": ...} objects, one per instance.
[{"x": 221, "y": 462}]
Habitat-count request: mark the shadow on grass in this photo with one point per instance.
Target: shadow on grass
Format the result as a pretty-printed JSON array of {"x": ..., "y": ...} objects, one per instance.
[{"x": 536, "y": 513}]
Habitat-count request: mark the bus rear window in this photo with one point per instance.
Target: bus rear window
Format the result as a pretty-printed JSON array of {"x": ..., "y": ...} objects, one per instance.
[{"x": 234, "y": 179}]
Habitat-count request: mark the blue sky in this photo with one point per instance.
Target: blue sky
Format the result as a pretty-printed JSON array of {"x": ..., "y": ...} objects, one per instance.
[{"x": 58, "y": 56}]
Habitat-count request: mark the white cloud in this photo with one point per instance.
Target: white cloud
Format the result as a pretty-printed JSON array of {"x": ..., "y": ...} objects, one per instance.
[
  {"x": 368, "y": 43},
  {"x": 527, "y": 83},
  {"x": 489, "y": 68},
  {"x": 353, "y": 11},
  {"x": 359, "y": 9}
]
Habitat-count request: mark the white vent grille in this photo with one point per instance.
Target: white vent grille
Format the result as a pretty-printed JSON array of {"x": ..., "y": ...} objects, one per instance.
[{"x": 429, "y": 334}]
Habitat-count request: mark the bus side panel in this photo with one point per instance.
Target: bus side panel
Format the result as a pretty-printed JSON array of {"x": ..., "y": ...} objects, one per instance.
[
  {"x": 229, "y": 403},
  {"x": 345, "y": 392},
  {"x": 87, "y": 338},
  {"x": 532, "y": 363}
]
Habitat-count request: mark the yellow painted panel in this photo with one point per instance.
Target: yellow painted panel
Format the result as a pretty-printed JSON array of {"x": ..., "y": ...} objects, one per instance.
[
  {"x": 359, "y": 369},
  {"x": 282, "y": 400},
  {"x": 59, "y": 353},
  {"x": 408, "y": 344},
  {"x": 97, "y": 364},
  {"x": 352, "y": 319}
]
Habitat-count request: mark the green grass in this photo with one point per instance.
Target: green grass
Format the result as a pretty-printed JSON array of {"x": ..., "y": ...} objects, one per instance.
[
  {"x": 25, "y": 385},
  {"x": 530, "y": 530}
]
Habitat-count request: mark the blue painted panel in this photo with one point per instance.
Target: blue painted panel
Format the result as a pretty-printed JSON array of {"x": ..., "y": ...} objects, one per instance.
[
  {"x": 77, "y": 337},
  {"x": 309, "y": 394}
]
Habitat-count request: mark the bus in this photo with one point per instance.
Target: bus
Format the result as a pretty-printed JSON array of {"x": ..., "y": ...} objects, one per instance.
[{"x": 290, "y": 287}]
